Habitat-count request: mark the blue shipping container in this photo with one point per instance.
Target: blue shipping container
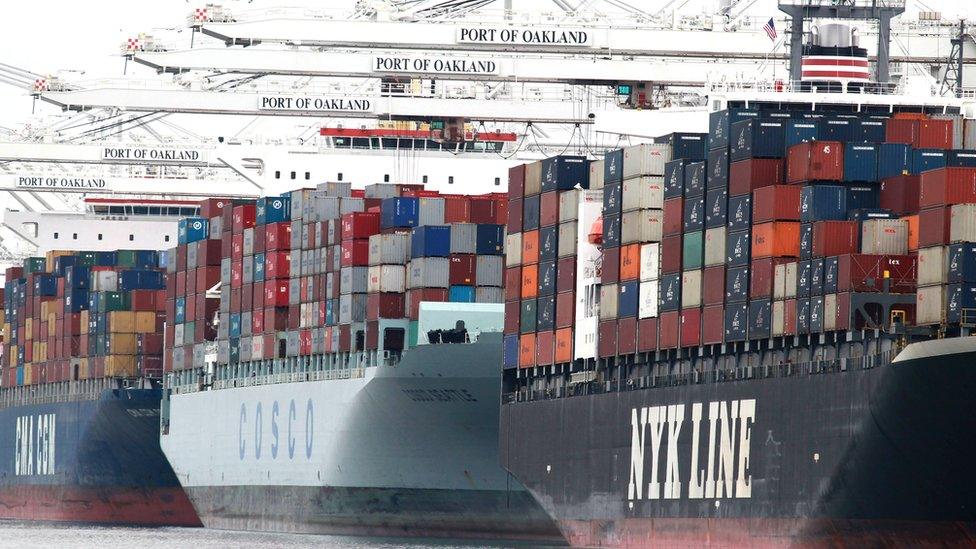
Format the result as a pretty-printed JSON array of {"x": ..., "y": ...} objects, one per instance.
[
  {"x": 894, "y": 159},
  {"x": 272, "y": 209},
  {"x": 959, "y": 297},
  {"x": 830, "y": 275},
  {"x": 106, "y": 259},
  {"x": 491, "y": 239},
  {"x": 77, "y": 276},
  {"x": 531, "y": 211},
  {"x": 611, "y": 231},
  {"x": 548, "y": 243},
  {"x": 235, "y": 325},
  {"x": 816, "y": 276},
  {"x": 613, "y": 165},
  {"x": 461, "y": 294},
  {"x": 695, "y": 179},
  {"x": 258, "y": 267},
  {"x": 737, "y": 284},
  {"x": 511, "y": 354},
  {"x": 180, "y": 310},
  {"x": 430, "y": 241},
  {"x": 399, "y": 211},
  {"x": 547, "y": 278},
  {"x": 761, "y": 138},
  {"x": 669, "y": 292},
  {"x": 62, "y": 262},
  {"x": 806, "y": 240},
  {"x": 694, "y": 214},
  {"x": 45, "y": 285},
  {"x": 740, "y": 212},
  {"x": 804, "y": 270},
  {"x": 836, "y": 129},
  {"x": 960, "y": 158},
  {"x": 689, "y": 146},
  {"x": 147, "y": 259},
  {"x": 799, "y": 131},
  {"x": 736, "y": 321},
  {"x": 861, "y": 162},
  {"x": 737, "y": 247},
  {"x": 75, "y": 300},
  {"x": 674, "y": 180},
  {"x": 816, "y": 314},
  {"x": 717, "y": 169},
  {"x": 961, "y": 260},
  {"x": 192, "y": 229},
  {"x": 716, "y": 208},
  {"x": 760, "y": 318},
  {"x": 612, "y": 195},
  {"x": 869, "y": 130},
  {"x": 546, "y": 313},
  {"x": 863, "y": 197},
  {"x": 720, "y": 125},
  {"x": 628, "y": 300},
  {"x": 562, "y": 173},
  {"x": 823, "y": 202},
  {"x": 928, "y": 159},
  {"x": 803, "y": 316}
]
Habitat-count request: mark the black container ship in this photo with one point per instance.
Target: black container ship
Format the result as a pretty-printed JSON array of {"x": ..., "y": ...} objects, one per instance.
[{"x": 753, "y": 337}]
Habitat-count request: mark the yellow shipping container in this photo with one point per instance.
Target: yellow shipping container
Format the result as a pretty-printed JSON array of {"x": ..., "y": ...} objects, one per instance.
[
  {"x": 27, "y": 374},
  {"x": 122, "y": 322},
  {"x": 29, "y": 329},
  {"x": 120, "y": 366},
  {"x": 122, "y": 344},
  {"x": 52, "y": 322},
  {"x": 145, "y": 322},
  {"x": 83, "y": 316}
]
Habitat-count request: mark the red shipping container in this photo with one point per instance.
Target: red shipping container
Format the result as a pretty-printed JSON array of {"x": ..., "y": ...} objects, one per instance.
[
  {"x": 900, "y": 194},
  {"x": 566, "y": 274},
  {"x": 513, "y": 283},
  {"x": 457, "y": 209},
  {"x": 607, "y": 339},
  {"x": 713, "y": 325},
  {"x": 934, "y": 133},
  {"x": 235, "y": 302},
  {"x": 900, "y": 130},
  {"x": 610, "y": 267},
  {"x": 835, "y": 238},
  {"x": 247, "y": 297},
  {"x": 548, "y": 208},
  {"x": 627, "y": 336},
  {"x": 776, "y": 203},
  {"x": 355, "y": 253},
  {"x": 462, "y": 268},
  {"x": 360, "y": 225},
  {"x": 208, "y": 253},
  {"x": 865, "y": 272},
  {"x": 671, "y": 254},
  {"x": 191, "y": 280},
  {"x": 745, "y": 176},
  {"x": 947, "y": 186},
  {"x": 933, "y": 226},
  {"x": 815, "y": 161},
  {"x": 646, "y": 335},
  {"x": 713, "y": 286},
  {"x": 257, "y": 321},
  {"x": 142, "y": 300},
  {"x": 294, "y": 318},
  {"x": 257, "y": 295},
  {"x": 236, "y": 276},
  {"x": 691, "y": 327},
  {"x": 527, "y": 354},
  {"x": 512, "y": 312},
  {"x": 214, "y": 207},
  {"x": 545, "y": 348},
  {"x": 207, "y": 277},
  {"x": 277, "y": 236},
  {"x": 243, "y": 217},
  {"x": 276, "y": 293},
  {"x": 516, "y": 181},
  {"x": 789, "y": 317},
  {"x": 673, "y": 223},
  {"x": 514, "y": 217},
  {"x": 565, "y": 309},
  {"x": 415, "y": 297},
  {"x": 385, "y": 305},
  {"x": 226, "y": 249},
  {"x": 277, "y": 265},
  {"x": 761, "y": 276},
  {"x": 237, "y": 247},
  {"x": 483, "y": 210},
  {"x": 668, "y": 327}
]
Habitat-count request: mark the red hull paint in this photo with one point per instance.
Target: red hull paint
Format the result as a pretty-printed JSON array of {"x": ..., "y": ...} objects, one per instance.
[
  {"x": 674, "y": 533},
  {"x": 129, "y": 506}
]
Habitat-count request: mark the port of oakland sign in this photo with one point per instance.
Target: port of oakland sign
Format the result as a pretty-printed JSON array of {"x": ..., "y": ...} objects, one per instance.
[
  {"x": 433, "y": 65},
  {"x": 523, "y": 36},
  {"x": 314, "y": 105},
  {"x": 154, "y": 154},
  {"x": 44, "y": 182},
  {"x": 723, "y": 429}
]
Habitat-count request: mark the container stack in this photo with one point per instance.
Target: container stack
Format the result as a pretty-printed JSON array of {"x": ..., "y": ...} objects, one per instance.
[{"x": 84, "y": 315}]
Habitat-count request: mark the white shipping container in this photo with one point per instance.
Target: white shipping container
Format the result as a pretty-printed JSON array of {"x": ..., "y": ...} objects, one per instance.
[
  {"x": 715, "y": 246},
  {"x": 108, "y": 281},
  {"x": 884, "y": 236},
  {"x": 335, "y": 188},
  {"x": 387, "y": 279},
  {"x": 569, "y": 205},
  {"x": 929, "y": 305},
  {"x": 779, "y": 318},
  {"x": 353, "y": 280},
  {"x": 779, "y": 281},
  {"x": 596, "y": 175},
  {"x": 969, "y": 134},
  {"x": 351, "y": 205},
  {"x": 608, "y": 301},
  {"x": 830, "y": 312},
  {"x": 533, "y": 178},
  {"x": 566, "y": 246},
  {"x": 691, "y": 289},
  {"x": 489, "y": 271},
  {"x": 382, "y": 190},
  {"x": 641, "y": 226},
  {"x": 646, "y": 159},
  {"x": 321, "y": 208},
  {"x": 650, "y": 261},
  {"x": 389, "y": 249},
  {"x": 431, "y": 211},
  {"x": 585, "y": 334},
  {"x": 464, "y": 238},
  {"x": 489, "y": 294},
  {"x": 962, "y": 223},
  {"x": 352, "y": 308},
  {"x": 643, "y": 193},
  {"x": 513, "y": 249},
  {"x": 647, "y": 304},
  {"x": 791, "y": 270},
  {"x": 932, "y": 265},
  {"x": 248, "y": 248},
  {"x": 428, "y": 272}
]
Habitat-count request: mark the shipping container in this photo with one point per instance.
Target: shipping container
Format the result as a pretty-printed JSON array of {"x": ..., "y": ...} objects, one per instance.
[
  {"x": 720, "y": 125},
  {"x": 691, "y": 328},
  {"x": 799, "y": 131},
  {"x": 934, "y": 226},
  {"x": 930, "y": 302},
  {"x": 947, "y": 186},
  {"x": 757, "y": 138},
  {"x": 716, "y": 208},
  {"x": 717, "y": 169},
  {"x": 648, "y": 299},
  {"x": 642, "y": 226},
  {"x": 713, "y": 285},
  {"x": 669, "y": 324},
  {"x": 569, "y": 202},
  {"x": 597, "y": 171},
  {"x": 738, "y": 248},
  {"x": 645, "y": 192},
  {"x": 693, "y": 218},
  {"x": 674, "y": 179},
  {"x": 650, "y": 261},
  {"x": 962, "y": 223},
  {"x": 823, "y": 202},
  {"x": 924, "y": 160},
  {"x": 561, "y": 173},
  {"x": 690, "y": 146},
  {"x": 746, "y": 176},
  {"x": 895, "y": 159},
  {"x": 960, "y": 264},
  {"x": 740, "y": 212},
  {"x": 695, "y": 177},
  {"x": 900, "y": 194},
  {"x": 673, "y": 217},
  {"x": 531, "y": 214},
  {"x": 776, "y": 239},
  {"x": 815, "y": 161},
  {"x": 669, "y": 292},
  {"x": 776, "y": 203},
  {"x": 736, "y": 321},
  {"x": 691, "y": 289},
  {"x": 612, "y": 198},
  {"x": 861, "y": 162},
  {"x": 962, "y": 158},
  {"x": 693, "y": 250},
  {"x": 715, "y": 242},
  {"x": 646, "y": 159},
  {"x": 960, "y": 303},
  {"x": 737, "y": 284},
  {"x": 884, "y": 236},
  {"x": 835, "y": 238},
  {"x": 867, "y": 273},
  {"x": 933, "y": 265}
]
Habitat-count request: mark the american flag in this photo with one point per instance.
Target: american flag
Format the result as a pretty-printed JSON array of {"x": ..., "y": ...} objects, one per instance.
[{"x": 770, "y": 29}]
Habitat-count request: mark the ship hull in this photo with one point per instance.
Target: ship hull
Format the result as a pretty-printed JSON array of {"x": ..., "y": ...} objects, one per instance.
[
  {"x": 876, "y": 456},
  {"x": 410, "y": 450},
  {"x": 92, "y": 461}
]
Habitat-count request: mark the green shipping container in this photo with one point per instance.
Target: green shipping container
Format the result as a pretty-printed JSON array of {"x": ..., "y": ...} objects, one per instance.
[
  {"x": 413, "y": 333},
  {"x": 35, "y": 265},
  {"x": 235, "y": 348},
  {"x": 693, "y": 251},
  {"x": 527, "y": 316},
  {"x": 113, "y": 301},
  {"x": 86, "y": 259},
  {"x": 188, "y": 330}
]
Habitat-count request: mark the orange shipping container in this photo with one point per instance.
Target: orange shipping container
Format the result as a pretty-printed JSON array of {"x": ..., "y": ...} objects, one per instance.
[
  {"x": 527, "y": 351},
  {"x": 776, "y": 239},
  {"x": 912, "y": 232},
  {"x": 564, "y": 345},
  {"x": 530, "y": 247},
  {"x": 530, "y": 281},
  {"x": 630, "y": 262}
]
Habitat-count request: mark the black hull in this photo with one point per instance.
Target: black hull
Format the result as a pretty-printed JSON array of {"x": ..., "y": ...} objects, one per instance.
[{"x": 875, "y": 456}]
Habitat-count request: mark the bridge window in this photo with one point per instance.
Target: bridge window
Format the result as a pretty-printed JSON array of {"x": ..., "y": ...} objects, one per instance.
[
  {"x": 293, "y": 175},
  {"x": 188, "y": 212},
  {"x": 166, "y": 238},
  {"x": 360, "y": 142},
  {"x": 425, "y": 179},
  {"x": 498, "y": 181},
  {"x": 55, "y": 236},
  {"x": 389, "y": 143},
  {"x": 74, "y": 236},
  {"x": 340, "y": 176},
  {"x": 99, "y": 236},
  {"x": 116, "y": 210},
  {"x": 450, "y": 180},
  {"x": 140, "y": 210},
  {"x": 100, "y": 210},
  {"x": 155, "y": 210},
  {"x": 132, "y": 237},
  {"x": 308, "y": 175},
  {"x": 386, "y": 178},
  {"x": 277, "y": 174}
]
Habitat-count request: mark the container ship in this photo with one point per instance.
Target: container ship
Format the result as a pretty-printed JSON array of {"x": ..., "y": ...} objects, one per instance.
[
  {"x": 332, "y": 365},
  {"x": 753, "y": 337},
  {"x": 81, "y": 387}
]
